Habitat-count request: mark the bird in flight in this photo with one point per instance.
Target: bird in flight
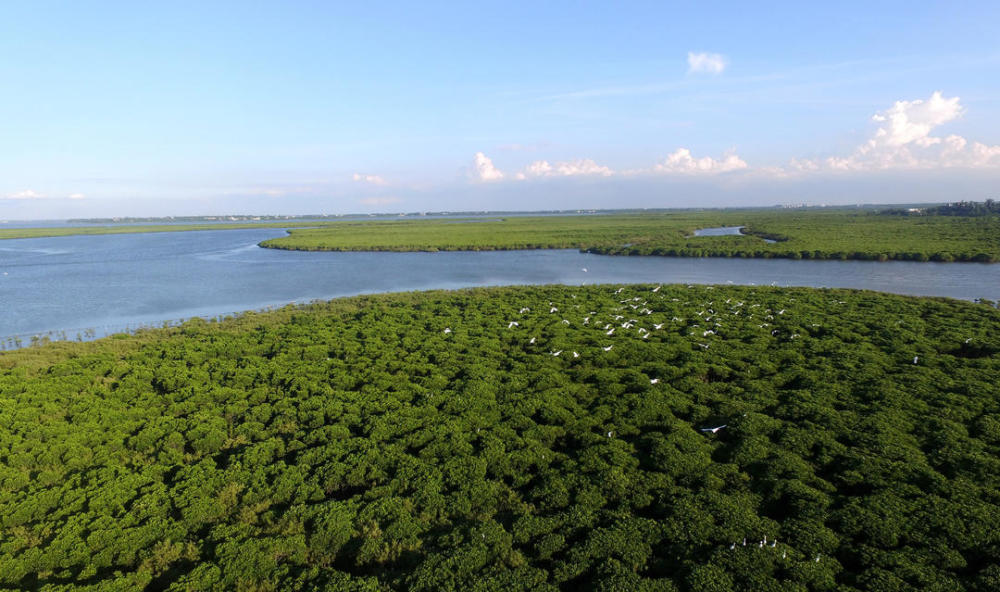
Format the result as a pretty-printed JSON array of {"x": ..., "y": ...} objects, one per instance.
[{"x": 713, "y": 430}]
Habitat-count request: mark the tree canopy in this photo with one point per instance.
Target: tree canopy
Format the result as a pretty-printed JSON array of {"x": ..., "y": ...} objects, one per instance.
[{"x": 549, "y": 438}]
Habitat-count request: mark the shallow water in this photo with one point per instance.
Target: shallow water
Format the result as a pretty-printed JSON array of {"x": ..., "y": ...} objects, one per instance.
[{"x": 110, "y": 283}]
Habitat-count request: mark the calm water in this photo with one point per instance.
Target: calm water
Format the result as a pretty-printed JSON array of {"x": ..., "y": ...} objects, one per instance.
[
  {"x": 724, "y": 231},
  {"x": 113, "y": 282}
]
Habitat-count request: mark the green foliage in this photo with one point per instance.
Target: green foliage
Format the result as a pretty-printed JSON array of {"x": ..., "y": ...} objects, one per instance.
[
  {"x": 354, "y": 445},
  {"x": 795, "y": 234}
]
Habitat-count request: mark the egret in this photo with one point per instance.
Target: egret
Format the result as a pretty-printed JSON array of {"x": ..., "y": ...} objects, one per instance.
[
  {"x": 553, "y": 309},
  {"x": 556, "y": 353},
  {"x": 447, "y": 330},
  {"x": 610, "y": 331},
  {"x": 713, "y": 430},
  {"x": 915, "y": 359},
  {"x": 658, "y": 327},
  {"x": 610, "y": 434},
  {"x": 586, "y": 320},
  {"x": 733, "y": 546},
  {"x": 703, "y": 345},
  {"x": 565, "y": 321},
  {"x": 784, "y": 554},
  {"x": 513, "y": 324},
  {"x": 607, "y": 348},
  {"x": 524, "y": 310},
  {"x": 532, "y": 341},
  {"x": 576, "y": 355},
  {"x": 657, "y": 288},
  {"x": 654, "y": 380}
]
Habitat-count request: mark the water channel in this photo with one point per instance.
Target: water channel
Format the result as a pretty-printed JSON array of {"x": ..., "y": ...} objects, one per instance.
[{"x": 94, "y": 285}]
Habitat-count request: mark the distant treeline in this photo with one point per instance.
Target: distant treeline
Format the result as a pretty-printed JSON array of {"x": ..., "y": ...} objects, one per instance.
[
  {"x": 798, "y": 234},
  {"x": 958, "y": 208}
]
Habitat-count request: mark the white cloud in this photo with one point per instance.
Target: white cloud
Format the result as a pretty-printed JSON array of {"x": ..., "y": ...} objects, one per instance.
[
  {"x": 903, "y": 140},
  {"x": 573, "y": 168},
  {"x": 76, "y": 196},
  {"x": 483, "y": 169},
  {"x": 711, "y": 63},
  {"x": 379, "y": 201},
  {"x": 373, "y": 179},
  {"x": 26, "y": 194},
  {"x": 681, "y": 162}
]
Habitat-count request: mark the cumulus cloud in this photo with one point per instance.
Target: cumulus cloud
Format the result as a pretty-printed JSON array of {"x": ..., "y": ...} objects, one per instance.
[
  {"x": 573, "y": 168},
  {"x": 681, "y": 162},
  {"x": 710, "y": 63},
  {"x": 372, "y": 179},
  {"x": 483, "y": 169},
  {"x": 379, "y": 201},
  {"x": 26, "y": 194},
  {"x": 903, "y": 140}
]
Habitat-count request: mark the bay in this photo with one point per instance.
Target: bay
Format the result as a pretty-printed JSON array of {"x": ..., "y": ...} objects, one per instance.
[{"x": 89, "y": 286}]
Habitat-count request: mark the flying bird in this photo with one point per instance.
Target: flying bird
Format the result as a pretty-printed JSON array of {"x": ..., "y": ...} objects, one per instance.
[
  {"x": 513, "y": 324},
  {"x": 607, "y": 348},
  {"x": 713, "y": 430},
  {"x": 556, "y": 353},
  {"x": 447, "y": 330}
]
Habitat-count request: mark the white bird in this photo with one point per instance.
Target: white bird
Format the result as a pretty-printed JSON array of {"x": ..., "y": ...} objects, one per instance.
[
  {"x": 658, "y": 327},
  {"x": 610, "y": 331},
  {"x": 586, "y": 320},
  {"x": 915, "y": 359},
  {"x": 619, "y": 317},
  {"x": 733, "y": 546},
  {"x": 576, "y": 355},
  {"x": 610, "y": 434},
  {"x": 553, "y": 309},
  {"x": 584, "y": 270},
  {"x": 713, "y": 430},
  {"x": 524, "y": 310},
  {"x": 657, "y": 289},
  {"x": 513, "y": 324},
  {"x": 607, "y": 348},
  {"x": 556, "y": 353},
  {"x": 703, "y": 345},
  {"x": 565, "y": 321},
  {"x": 654, "y": 380},
  {"x": 784, "y": 554},
  {"x": 532, "y": 340},
  {"x": 707, "y": 333},
  {"x": 817, "y": 558},
  {"x": 447, "y": 330},
  {"x": 645, "y": 335},
  {"x": 967, "y": 340},
  {"x": 619, "y": 290}
]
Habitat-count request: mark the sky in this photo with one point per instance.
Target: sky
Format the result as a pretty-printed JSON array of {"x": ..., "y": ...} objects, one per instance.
[{"x": 206, "y": 108}]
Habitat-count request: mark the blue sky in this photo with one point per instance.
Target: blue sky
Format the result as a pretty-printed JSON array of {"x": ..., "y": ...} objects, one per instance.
[{"x": 311, "y": 107}]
